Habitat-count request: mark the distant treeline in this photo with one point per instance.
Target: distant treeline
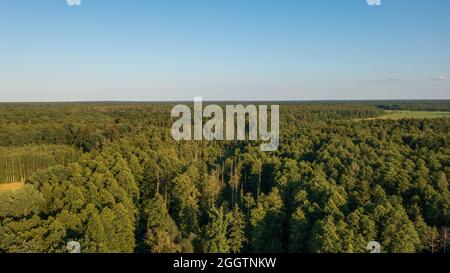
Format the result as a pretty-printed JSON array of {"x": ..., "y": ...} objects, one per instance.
[
  {"x": 87, "y": 126},
  {"x": 90, "y": 126},
  {"x": 432, "y": 105}
]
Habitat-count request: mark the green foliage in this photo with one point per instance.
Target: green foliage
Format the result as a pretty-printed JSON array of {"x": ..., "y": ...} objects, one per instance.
[
  {"x": 19, "y": 163},
  {"x": 266, "y": 219},
  {"x": 236, "y": 233},
  {"x": 225, "y": 231},
  {"x": 216, "y": 232},
  {"x": 113, "y": 179},
  {"x": 162, "y": 234},
  {"x": 398, "y": 234},
  {"x": 21, "y": 203}
]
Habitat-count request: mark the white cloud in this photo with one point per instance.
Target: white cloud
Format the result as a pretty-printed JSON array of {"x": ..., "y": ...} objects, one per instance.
[
  {"x": 440, "y": 78},
  {"x": 374, "y": 2},
  {"x": 73, "y": 2}
]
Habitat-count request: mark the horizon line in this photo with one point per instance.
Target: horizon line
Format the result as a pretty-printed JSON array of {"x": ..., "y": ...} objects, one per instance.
[{"x": 222, "y": 101}]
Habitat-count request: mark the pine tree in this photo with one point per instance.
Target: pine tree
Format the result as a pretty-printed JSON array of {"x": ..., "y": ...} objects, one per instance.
[
  {"x": 398, "y": 234},
  {"x": 236, "y": 230},
  {"x": 185, "y": 196},
  {"x": 215, "y": 240},
  {"x": 162, "y": 233},
  {"x": 124, "y": 224},
  {"x": 325, "y": 237},
  {"x": 94, "y": 236}
]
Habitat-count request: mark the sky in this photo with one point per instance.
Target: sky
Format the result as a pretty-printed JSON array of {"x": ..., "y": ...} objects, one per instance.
[{"x": 145, "y": 50}]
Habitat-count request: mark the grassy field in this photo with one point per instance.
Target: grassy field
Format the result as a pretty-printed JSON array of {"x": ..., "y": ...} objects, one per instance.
[
  {"x": 11, "y": 186},
  {"x": 402, "y": 114}
]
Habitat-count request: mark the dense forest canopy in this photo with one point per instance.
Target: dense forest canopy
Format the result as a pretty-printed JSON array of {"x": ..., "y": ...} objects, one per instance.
[
  {"x": 430, "y": 105},
  {"x": 110, "y": 176}
]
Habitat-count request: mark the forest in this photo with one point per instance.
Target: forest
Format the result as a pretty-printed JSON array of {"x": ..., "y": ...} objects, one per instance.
[{"x": 110, "y": 176}]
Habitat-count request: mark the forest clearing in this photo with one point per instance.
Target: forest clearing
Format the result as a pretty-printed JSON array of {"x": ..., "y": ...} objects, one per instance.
[
  {"x": 11, "y": 186},
  {"x": 406, "y": 114}
]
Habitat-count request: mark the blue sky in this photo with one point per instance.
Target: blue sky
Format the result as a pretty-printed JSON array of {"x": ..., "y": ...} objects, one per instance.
[{"x": 224, "y": 49}]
